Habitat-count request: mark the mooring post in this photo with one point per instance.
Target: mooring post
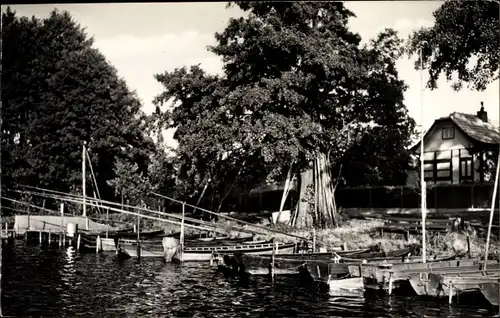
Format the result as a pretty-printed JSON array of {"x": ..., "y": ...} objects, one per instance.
[
  {"x": 62, "y": 226},
  {"x": 107, "y": 220},
  {"x": 182, "y": 231},
  {"x": 78, "y": 241},
  {"x": 97, "y": 243},
  {"x": 50, "y": 233},
  {"x": 40, "y": 237},
  {"x": 468, "y": 246},
  {"x": 390, "y": 283},
  {"x": 138, "y": 237},
  {"x": 272, "y": 262},
  {"x": 450, "y": 296},
  {"x": 314, "y": 240}
]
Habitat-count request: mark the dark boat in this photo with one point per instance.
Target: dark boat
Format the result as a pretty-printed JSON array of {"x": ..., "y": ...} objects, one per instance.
[
  {"x": 288, "y": 264},
  {"x": 144, "y": 234},
  {"x": 490, "y": 291}
]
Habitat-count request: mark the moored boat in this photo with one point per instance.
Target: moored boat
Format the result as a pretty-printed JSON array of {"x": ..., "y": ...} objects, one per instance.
[
  {"x": 390, "y": 277},
  {"x": 206, "y": 253},
  {"x": 288, "y": 264},
  {"x": 446, "y": 282},
  {"x": 152, "y": 248},
  {"x": 491, "y": 291}
]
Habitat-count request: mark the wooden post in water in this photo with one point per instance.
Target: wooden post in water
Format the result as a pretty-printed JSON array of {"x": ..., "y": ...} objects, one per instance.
[
  {"x": 107, "y": 220},
  {"x": 314, "y": 240},
  {"x": 97, "y": 243},
  {"x": 50, "y": 233},
  {"x": 450, "y": 296},
  {"x": 182, "y": 231},
  {"x": 138, "y": 237},
  {"x": 78, "y": 241},
  {"x": 61, "y": 239},
  {"x": 272, "y": 262},
  {"x": 40, "y": 237}
]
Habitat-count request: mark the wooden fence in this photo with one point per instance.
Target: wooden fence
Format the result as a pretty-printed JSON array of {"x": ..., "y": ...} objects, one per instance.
[
  {"x": 462, "y": 196},
  {"x": 438, "y": 197}
]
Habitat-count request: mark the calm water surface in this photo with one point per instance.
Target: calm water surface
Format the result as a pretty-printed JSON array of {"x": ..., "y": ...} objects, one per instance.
[{"x": 62, "y": 282}]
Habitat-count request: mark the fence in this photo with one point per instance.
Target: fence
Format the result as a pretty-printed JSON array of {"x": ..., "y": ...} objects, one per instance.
[
  {"x": 446, "y": 196},
  {"x": 438, "y": 197}
]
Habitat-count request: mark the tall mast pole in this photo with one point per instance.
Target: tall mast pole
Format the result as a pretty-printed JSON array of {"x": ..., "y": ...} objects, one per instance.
[
  {"x": 83, "y": 180},
  {"x": 422, "y": 179}
]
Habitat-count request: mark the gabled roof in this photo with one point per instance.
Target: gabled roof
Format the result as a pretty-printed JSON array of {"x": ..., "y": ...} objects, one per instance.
[
  {"x": 471, "y": 126},
  {"x": 475, "y": 128}
]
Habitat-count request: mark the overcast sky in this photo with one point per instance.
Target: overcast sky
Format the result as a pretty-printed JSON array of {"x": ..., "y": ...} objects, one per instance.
[{"x": 141, "y": 40}]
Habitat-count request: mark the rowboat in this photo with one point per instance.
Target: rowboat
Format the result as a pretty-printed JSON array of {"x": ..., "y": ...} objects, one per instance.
[
  {"x": 445, "y": 282},
  {"x": 391, "y": 277},
  {"x": 108, "y": 244},
  {"x": 143, "y": 234},
  {"x": 151, "y": 248},
  {"x": 340, "y": 274},
  {"x": 288, "y": 264},
  {"x": 206, "y": 253},
  {"x": 490, "y": 291}
]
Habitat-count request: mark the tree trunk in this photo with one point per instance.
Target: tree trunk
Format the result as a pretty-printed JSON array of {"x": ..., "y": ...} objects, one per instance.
[
  {"x": 303, "y": 217},
  {"x": 326, "y": 211}
]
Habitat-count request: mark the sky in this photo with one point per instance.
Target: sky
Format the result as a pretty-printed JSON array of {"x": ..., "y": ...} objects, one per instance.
[{"x": 144, "y": 39}]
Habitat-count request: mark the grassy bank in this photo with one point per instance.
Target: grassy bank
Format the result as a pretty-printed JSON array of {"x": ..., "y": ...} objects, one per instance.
[{"x": 357, "y": 234}]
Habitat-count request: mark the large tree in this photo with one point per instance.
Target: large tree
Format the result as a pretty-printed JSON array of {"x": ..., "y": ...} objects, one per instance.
[
  {"x": 57, "y": 92},
  {"x": 463, "y": 44},
  {"x": 298, "y": 89}
]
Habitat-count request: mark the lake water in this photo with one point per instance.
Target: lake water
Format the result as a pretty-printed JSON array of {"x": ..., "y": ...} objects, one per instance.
[{"x": 62, "y": 282}]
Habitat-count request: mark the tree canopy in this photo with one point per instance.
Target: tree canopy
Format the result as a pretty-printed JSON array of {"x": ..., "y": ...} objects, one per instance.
[
  {"x": 58, "y": 91},
  {"x": 462, "y": 44},
  {"x": 296, "y": 83}
]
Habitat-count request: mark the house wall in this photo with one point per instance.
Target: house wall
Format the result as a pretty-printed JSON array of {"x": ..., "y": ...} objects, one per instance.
[{"x": 449, "y": 148}]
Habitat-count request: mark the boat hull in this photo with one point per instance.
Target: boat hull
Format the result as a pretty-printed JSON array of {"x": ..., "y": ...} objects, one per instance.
[
  {"x": 390, "y": 277},
  {"x": 108, "y": 245},
  {"x": 146, "y": 250},
  {"x": 205, "y": 254},
  {"x": 491, "y": 292},
  {"x": 346, "y": 286},
  {"x": 443, "y": 283}
]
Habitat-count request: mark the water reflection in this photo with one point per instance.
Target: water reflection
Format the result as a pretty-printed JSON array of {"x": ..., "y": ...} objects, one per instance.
[{"x": 64, "y": 282}]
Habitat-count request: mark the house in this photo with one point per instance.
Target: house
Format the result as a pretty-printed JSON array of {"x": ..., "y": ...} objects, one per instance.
[{"x": 455, "y": 148}]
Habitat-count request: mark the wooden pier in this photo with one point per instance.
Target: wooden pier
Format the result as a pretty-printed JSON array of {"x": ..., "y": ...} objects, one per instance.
[{"x": 49, "y": 238}]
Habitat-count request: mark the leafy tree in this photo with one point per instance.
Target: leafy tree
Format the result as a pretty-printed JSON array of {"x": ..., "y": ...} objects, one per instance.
[
  {"x": 462, "y": 44},
  {"x": 130, "y": 183},
  {"x": 58, "y": 91},
  {"x": 297, "y": 88}
]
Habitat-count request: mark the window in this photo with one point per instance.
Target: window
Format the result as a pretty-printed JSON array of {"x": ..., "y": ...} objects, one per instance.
[
  {"x": 448, "y": 133},
  {"x": 466, "y": 173},
  {"x": 438, "y": 169}
]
